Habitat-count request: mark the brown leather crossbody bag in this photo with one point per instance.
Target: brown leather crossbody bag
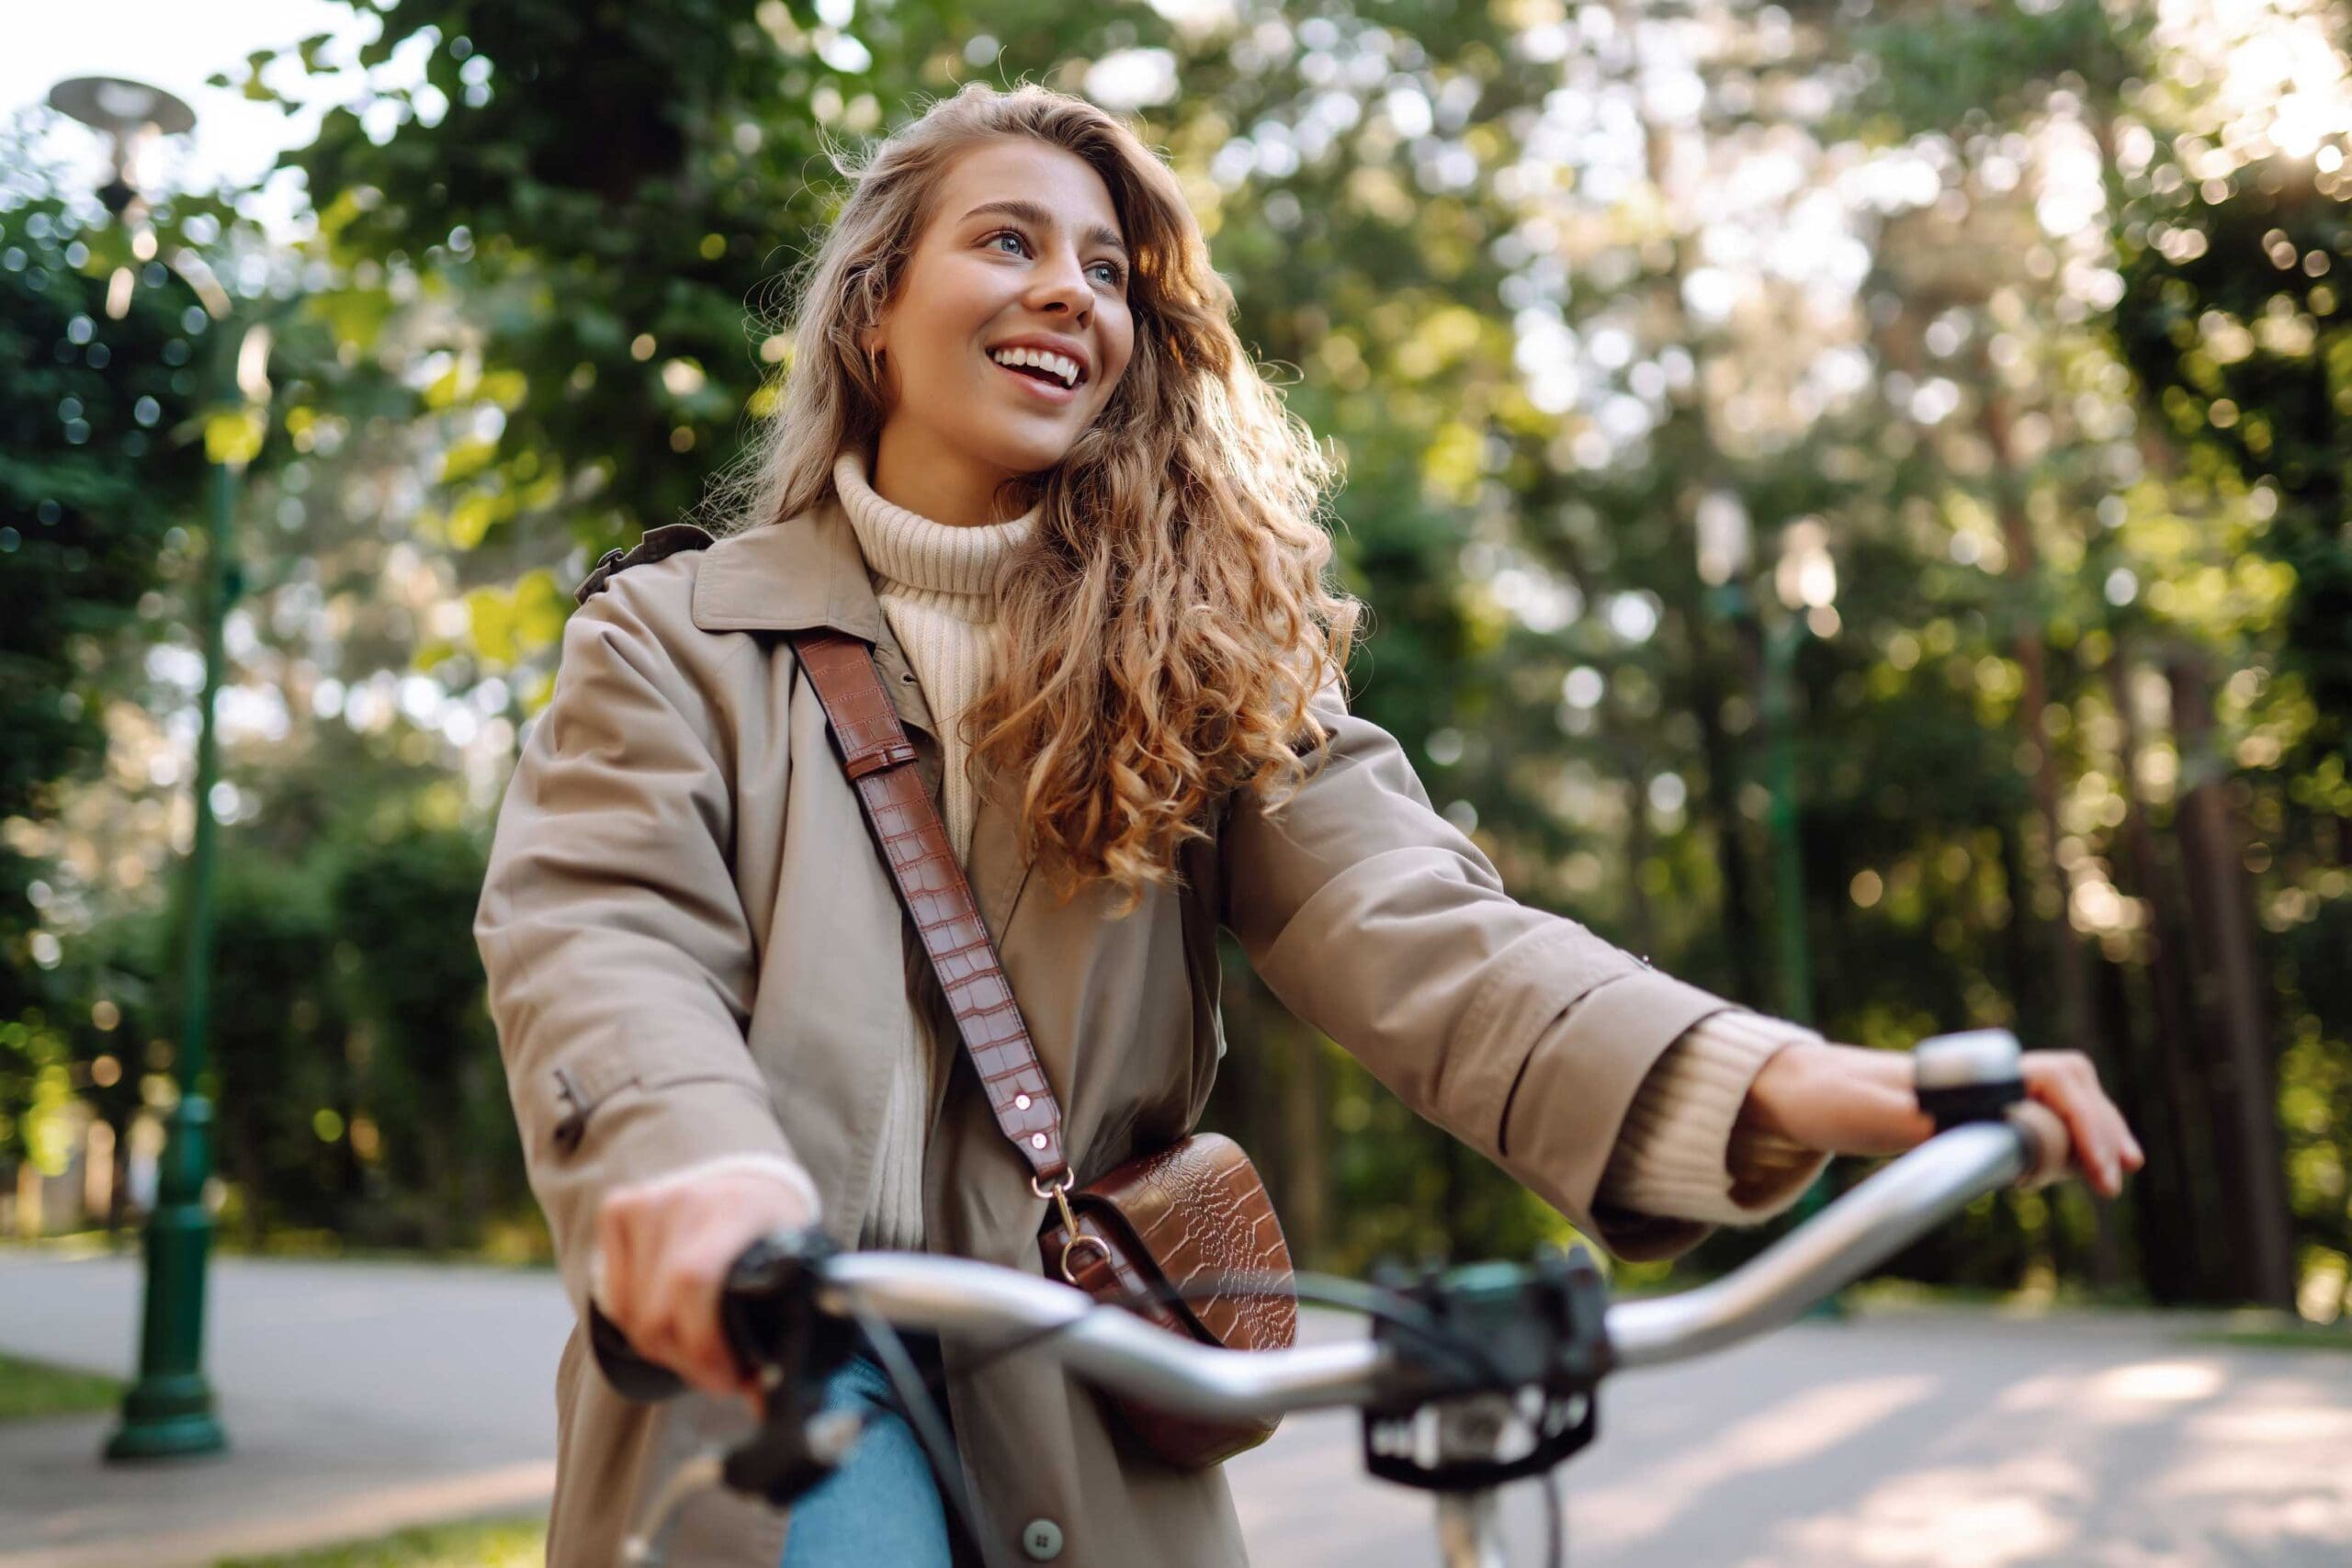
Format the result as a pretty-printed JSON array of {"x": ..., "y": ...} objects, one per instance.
[{"x": 1157, "y": 1234}]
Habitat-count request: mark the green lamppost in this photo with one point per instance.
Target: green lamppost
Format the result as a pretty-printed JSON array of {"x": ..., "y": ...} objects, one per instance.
[
  {"x": 1805, "y": 580},
  {"x": 168, "y": 1412}
]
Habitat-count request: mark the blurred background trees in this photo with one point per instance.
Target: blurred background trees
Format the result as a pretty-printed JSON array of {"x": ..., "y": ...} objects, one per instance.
[{"x": 1954, "y": 398}]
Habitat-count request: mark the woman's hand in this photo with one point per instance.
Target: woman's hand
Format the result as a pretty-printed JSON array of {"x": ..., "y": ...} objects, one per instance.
[
  {"x": 1849, "y": 1100},
  {"x": 663, "y": 1248}
]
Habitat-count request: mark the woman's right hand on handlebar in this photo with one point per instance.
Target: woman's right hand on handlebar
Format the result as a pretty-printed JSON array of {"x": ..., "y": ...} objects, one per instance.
[
  {"x": 1848, "y": 1100},
  {"x": 663, "y": 1248}
]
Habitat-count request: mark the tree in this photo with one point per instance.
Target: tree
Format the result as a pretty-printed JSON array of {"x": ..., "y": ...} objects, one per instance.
[{"x": 100, "y": 473}]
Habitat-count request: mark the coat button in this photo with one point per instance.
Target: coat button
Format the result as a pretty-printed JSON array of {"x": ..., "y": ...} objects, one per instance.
[{"x": 1042, "y": 1540}]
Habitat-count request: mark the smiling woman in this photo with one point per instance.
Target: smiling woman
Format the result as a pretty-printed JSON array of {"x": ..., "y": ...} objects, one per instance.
[{"x": 1022, "y": 461}]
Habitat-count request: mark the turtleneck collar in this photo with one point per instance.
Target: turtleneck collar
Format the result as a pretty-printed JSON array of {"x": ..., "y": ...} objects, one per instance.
[{"x": 914, "y": 551}]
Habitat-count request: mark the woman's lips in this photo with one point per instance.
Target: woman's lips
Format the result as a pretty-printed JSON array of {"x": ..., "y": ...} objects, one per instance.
[{"x": 1051, "y": 392}]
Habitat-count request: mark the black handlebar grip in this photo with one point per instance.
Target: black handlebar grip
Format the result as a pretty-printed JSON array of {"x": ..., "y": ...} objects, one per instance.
[
  {"x": 631, "y": 1375},
  {"x": 763, "y": 1306},
  {"x": 1969, "y": 1077}
]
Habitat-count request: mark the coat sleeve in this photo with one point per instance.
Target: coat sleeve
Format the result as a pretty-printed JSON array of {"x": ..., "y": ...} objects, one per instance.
[
  {"x": 620, "y": 960},
  {"x": 1378, "y": 921}
]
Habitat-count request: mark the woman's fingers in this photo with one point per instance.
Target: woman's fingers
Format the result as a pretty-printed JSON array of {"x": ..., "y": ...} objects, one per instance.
[
  {"x": 2104, "y": 1146},
  {"x": 666, "y": 1245},
  {"x": 704, "y": 1357},
  {"x": 2053, "y": 1148},
  {"x": 1851, "y": 1101}
]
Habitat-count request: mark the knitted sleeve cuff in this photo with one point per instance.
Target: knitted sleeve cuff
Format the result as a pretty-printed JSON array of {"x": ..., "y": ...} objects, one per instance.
[{"x": 1680, "y": 1156}]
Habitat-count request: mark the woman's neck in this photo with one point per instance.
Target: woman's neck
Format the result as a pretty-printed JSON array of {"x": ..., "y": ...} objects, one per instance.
[{"x": 934, "y": 481}]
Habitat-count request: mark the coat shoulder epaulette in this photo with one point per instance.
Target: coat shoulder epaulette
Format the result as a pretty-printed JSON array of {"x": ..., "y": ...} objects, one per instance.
[{"x": 657, "y": 544}]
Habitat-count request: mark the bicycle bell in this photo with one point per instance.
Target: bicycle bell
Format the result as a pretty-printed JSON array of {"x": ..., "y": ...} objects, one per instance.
[{"x": 1973, "y": 1075}]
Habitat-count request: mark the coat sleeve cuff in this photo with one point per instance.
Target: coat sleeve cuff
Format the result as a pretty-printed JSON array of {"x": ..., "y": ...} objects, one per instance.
[
  {"x": 1572, "y": 1093},
  {"x": 1680, "y": 1155}
]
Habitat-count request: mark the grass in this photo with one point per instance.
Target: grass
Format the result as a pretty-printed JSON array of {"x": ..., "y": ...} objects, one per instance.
[
  {"x": 477, "y": 1543},
  {"x": 2274, "y": 1331},
  {"x": 32, "y": 1389}
]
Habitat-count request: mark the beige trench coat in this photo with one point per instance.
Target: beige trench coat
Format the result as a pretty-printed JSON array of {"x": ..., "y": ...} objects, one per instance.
[{"x": 692, "y": 949}]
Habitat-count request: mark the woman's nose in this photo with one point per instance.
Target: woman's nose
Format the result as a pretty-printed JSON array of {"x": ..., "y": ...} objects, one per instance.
[{"x": 1063, "y": 283}]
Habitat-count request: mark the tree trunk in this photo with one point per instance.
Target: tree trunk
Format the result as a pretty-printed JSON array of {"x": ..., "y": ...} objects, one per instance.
[
  {"x": 2243, "y": 1081},
  {"x": 1740, "y": 930},
  {"x": 2180, "y": 1221}
]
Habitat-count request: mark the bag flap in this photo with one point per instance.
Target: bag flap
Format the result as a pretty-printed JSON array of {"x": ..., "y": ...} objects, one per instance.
[{"x": 1198, "y": 1209}]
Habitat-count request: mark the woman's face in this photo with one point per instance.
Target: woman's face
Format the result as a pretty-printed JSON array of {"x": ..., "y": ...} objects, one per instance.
[{"x": 1021, "y": 247}]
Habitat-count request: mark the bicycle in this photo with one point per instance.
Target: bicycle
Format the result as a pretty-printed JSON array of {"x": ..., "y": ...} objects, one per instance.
[{"x": 1471, "y": 1379}]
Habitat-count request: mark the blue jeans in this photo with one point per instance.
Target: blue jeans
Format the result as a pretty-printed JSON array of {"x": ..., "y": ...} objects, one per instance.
[{"x": 883, "y": 1505}]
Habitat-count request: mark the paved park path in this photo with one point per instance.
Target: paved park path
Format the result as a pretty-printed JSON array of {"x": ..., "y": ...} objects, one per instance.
[{"x": 361, "y": 1396}]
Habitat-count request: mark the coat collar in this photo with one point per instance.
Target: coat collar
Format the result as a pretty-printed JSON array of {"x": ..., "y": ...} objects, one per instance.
[
  {"x": 807, "y": 571},
  {"x": 790, "y": 575}
]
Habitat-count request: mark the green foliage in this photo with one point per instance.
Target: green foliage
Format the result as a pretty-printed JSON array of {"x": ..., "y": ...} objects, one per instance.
[
  {"x": 1992, "y": 65},
  {"x": 97, "y": 477},
  {"x": 280, "y": 1020},
  {"x": 601, "y": 192},
  {"x": 2236, "y": 316},
  {"x": 403, "y": 909}
]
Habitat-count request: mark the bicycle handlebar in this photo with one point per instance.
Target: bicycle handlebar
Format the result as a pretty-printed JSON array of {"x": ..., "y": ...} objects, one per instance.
[
  {"x": 1120, "y": 1351},
  {"x": 1990, "y": 1136}
]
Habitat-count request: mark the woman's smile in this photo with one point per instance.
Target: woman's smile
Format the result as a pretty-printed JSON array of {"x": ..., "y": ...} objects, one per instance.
[{"x": 1035, "y": 383}]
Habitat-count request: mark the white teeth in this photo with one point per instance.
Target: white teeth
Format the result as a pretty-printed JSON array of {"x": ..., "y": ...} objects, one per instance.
[{"x": 1060, "y": 364}]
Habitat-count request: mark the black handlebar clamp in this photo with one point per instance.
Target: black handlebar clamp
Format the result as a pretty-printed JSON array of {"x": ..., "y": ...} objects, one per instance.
[{"x": 1501, "y": 1367}]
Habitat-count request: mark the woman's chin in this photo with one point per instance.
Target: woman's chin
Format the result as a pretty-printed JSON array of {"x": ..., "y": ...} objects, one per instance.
[{"x": 1022, "y": 452}]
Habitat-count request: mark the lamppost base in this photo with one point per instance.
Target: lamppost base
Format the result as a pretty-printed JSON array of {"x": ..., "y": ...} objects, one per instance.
[{"x": 168, "y": 1418}]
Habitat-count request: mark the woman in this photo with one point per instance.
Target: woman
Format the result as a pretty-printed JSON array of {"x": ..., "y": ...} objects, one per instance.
[{"x": 1020, "y": 450}]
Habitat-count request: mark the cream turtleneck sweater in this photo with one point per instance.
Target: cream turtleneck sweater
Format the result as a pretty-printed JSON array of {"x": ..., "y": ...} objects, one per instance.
[
  {"x": 1676, "y": 1156},
  {"x": 936, "y": 583}
]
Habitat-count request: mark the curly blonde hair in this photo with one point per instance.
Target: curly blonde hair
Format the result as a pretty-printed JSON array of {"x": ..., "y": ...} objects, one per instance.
[{"x": 1170, "y": 616}]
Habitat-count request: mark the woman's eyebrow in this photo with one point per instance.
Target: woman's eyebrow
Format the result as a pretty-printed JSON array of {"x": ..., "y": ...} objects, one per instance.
[{"x": 1030, "y": 213}]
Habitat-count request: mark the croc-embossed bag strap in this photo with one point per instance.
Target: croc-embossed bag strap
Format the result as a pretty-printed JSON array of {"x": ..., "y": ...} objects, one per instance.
[{"x": 880, "y": 762}]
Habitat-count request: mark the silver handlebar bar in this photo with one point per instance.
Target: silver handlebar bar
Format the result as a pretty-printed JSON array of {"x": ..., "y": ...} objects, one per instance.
[{"x": 981, "y": 1302}]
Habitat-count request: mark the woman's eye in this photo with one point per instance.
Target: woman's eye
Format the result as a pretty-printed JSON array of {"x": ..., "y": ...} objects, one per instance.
[{"x": 1116, "y": 275}]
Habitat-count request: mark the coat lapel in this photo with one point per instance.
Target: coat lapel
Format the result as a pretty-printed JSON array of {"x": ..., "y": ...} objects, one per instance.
[
  {"x": 797, "y": 574},
  {"x": 807, "y": 571},
  {"x": 999, "y": 871}
]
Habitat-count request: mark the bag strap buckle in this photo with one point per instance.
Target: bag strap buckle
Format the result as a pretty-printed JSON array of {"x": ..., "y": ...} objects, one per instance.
[{"x": 1073, "y": 1239}]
